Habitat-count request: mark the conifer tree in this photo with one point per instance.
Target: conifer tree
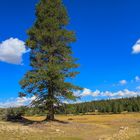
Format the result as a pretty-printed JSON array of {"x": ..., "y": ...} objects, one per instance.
[{"x": 50, "y": 57}]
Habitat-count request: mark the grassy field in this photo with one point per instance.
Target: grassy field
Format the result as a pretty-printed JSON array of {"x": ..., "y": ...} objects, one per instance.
[{"x": 84, "y": 127}]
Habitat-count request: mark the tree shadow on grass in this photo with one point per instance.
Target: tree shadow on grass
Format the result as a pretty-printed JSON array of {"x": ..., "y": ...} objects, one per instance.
[
  {"x": 25, "y": 121},
  {"x": 60, "y": 121}
]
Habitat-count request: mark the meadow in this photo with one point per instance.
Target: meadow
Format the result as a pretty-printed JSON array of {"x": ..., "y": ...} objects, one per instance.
[{"x": 74, "y": 127}]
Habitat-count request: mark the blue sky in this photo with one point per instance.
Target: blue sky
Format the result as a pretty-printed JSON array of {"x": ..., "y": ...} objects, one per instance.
[{"x": 106, "y": 33}]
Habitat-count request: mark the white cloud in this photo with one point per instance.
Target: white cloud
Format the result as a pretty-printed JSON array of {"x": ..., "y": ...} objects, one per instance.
[
  {"x": 87, "y": 92},
  {"x": 127, "y": 93},
  {"x": 137, "y": 78},
  {"x": 12, "y": 50},
  {"x": 17, "y": 102},
  {"x": 65, "y": 102},
  {"x": 123, "y": 82},
  {"x": 136, "y": 47},
  {"x": 108, "y": 94},
  {"x": 77, "y": 93},
  {"x": 120, "y": 83}
]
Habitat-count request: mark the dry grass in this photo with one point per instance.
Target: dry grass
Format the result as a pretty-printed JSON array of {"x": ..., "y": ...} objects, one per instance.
[{"x": 86, "y": 127}]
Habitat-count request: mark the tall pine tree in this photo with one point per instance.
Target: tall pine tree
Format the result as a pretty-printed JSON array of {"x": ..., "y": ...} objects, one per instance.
[{"x": 51, "y": 57}]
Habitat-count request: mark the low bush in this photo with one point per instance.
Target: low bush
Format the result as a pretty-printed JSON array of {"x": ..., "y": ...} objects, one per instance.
[{"x": 13, "y": 114}]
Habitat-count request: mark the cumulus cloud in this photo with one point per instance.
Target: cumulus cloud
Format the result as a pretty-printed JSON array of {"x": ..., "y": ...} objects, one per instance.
[
  {"x": 123, "y": 82},
  {"x": 127, "y": 93},
  {"x": 120, "y": 83},
  {"x": 87, "y": 92},
  {"x": 136, "y": 47},
  {"x": 108, "y": 94},
  {"x": 17, "y": 102},
  {"x": 12, "y": 50},
  {"x": 137, "y": 78}
]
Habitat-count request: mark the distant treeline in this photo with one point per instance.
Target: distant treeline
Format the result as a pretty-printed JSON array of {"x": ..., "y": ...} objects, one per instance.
[{"x": 103, "y": 106}]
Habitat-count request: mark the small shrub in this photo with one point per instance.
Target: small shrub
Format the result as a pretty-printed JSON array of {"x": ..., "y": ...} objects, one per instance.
[{"x": 13, "y": 114}]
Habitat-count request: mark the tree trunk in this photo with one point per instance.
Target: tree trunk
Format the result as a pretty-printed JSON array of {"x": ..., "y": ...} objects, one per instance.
[
  {"x": 50, "y": 104},
  {"x": 50, "y": 115}
]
